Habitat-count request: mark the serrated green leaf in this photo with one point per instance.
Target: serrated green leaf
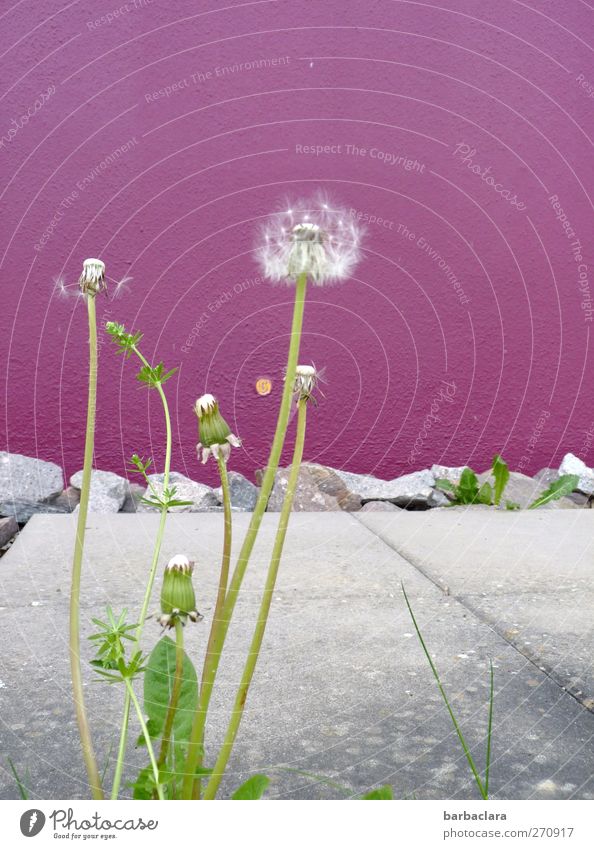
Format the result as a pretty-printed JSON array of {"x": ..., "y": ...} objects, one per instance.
[
  {"x": 485, "y": 494},
  {"x": 443, "y": 483},
  {"x": 501, "y": 475},
  {"x": 158, "y": 684},
  {"x": 558, "y": 489},
  {"x": 468, "y": 487},
  {"x": 253, "y": 788},
  {"x": 153, "y": 731},
  {"x": 384, "y": 792}
]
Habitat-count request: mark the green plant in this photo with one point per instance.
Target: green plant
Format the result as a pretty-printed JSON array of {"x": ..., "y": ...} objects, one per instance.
[{"x": 469, "y": 491}]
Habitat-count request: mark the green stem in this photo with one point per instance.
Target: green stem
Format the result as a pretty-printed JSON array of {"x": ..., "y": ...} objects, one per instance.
[
  {"x": 151, "y": 580},
  {"x": 175, "y": 692},
  {"x": 250, "y": 537},
  {"x": 222, "y": 591},
  {"x": 146, "y": 735},
  {"x": 79, "y": 544},
  {"x": 252, "y": 659},
  {"x": 117, "y": 777}
]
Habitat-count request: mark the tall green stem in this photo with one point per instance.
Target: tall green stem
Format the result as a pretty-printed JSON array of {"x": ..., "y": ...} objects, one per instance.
[
  {"x": 146, "y": 735},
  {"x": 252, "y": 659},
  {"x": 250, "y": 537},
  {"x": 221, "y": 593},
  {"x": 175, "y": 691},
  {"x": 79, "y": 544},
  {"x": 149, "y": 587}
]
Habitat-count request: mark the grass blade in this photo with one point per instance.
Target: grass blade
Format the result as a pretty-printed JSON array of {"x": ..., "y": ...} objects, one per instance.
[
  {"x": 457, "y": 728},
  {"x": 20, "y": 785},
  {"x": 489, "y": 729}
]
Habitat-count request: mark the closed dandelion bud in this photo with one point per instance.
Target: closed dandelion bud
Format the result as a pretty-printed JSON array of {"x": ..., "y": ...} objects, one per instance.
[
  {"x": 178, "y": 600},
  {"x": 214, "y": 432},
  {"x": 92, "y": 279}
]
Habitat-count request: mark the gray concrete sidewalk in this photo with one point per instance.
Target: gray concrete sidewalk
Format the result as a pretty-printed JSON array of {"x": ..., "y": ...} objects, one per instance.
[{"x": 342, "y": 689}]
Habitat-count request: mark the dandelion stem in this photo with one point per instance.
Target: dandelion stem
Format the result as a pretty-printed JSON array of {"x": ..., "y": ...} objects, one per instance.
[
  {"x": 222, "y": 590},
  {"x": 175, "y": 692},
  {"x": 146, "y": 735},
  {"x": 256, "y": 644},
  {"x": 250, "y": 538},
  {"x": 75, "y": 666},
  {"x": 151, "y": 580}
]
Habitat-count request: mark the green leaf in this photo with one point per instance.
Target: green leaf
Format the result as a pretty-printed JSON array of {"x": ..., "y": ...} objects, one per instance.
[
  {"x": 559, "y": 488},
  {"x": 253, "y": 788},
  {"x": 384, "y": 792},
  {"x": 485, "y": 494},
  {"x": 512, "y": 505},
  {"x": 153, "y": 731},
  {"x": 144, "y": 784},
  {"x": 443, "y": 483},
  {"x": 158, "y": 684},
  {"x": 501, "y": 475},
  {"x": 468, "y": 487}
]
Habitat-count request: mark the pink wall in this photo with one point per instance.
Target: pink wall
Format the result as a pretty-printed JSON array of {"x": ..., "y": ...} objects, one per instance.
[{"x": 177, "y": 212}]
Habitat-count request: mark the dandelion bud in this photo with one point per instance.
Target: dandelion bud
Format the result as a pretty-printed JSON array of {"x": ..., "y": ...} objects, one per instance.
[
  {"x": 177, "y": 594},
  {"x": 214, "y": 432},
  {"x": 313, "y": 239},
  {"x": 92, "y": 279}
]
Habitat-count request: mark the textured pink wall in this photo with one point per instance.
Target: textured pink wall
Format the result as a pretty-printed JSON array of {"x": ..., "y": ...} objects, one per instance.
[{"x": 177, "y": 211}]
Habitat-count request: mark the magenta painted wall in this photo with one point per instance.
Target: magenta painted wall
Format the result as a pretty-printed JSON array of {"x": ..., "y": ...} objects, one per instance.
[{"x": 506, "y": 86}]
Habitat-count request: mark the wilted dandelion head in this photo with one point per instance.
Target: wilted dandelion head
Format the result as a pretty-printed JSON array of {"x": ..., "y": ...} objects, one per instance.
[
  {"x": 92, "y": 279},
  {"x": 313, "y": 238},
  {"x": 305, "y": 382}
]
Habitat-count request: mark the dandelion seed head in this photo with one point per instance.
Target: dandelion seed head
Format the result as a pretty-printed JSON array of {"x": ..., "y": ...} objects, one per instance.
[{"x": 313, "y": 238}]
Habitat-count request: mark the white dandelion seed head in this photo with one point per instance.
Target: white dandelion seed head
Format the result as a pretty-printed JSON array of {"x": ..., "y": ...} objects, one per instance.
[
  {"x": 305, "y": 371},
  {"x": 180, "y": 563},
  {"x": 205, "y": 404},
  {"x": 313, "y": 238}
]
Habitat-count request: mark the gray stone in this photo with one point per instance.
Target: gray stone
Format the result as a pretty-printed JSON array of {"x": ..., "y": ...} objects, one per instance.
[
  {"x": 68, "y": 499},
  {"x": 547, "y": 476},
  {"x": 572, "y": 465},
  {"x": 243, "y": 492},
  {"x": 380, "y": 507},
  {"x": 108, "y": 491},
  {"x": 342, "y": 688},
  {"x": 414, "y": 490},
  {"x": 318, "y": 488},
  {"x": 523, "y": 490},
  {"x": 22, "y": 510},
  {"x": 27, "y": 478},
  {"x": 201, "y": 495},
  {"x": 8, "y": 529},
  {"x": 448, "y": 473},
  {"x": 132, "y": 499}
]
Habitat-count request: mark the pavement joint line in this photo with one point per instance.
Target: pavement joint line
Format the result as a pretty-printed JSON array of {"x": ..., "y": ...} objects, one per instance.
[{"x": 481, "y": 616}]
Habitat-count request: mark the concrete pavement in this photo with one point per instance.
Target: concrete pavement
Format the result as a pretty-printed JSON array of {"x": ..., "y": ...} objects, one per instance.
[{"x": 342, "y": 690}]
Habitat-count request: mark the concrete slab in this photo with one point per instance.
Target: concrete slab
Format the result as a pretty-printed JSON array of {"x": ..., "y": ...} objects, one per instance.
[
  {"x": 342, "y": 690},
  {"x": 530, "y": 575}
]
